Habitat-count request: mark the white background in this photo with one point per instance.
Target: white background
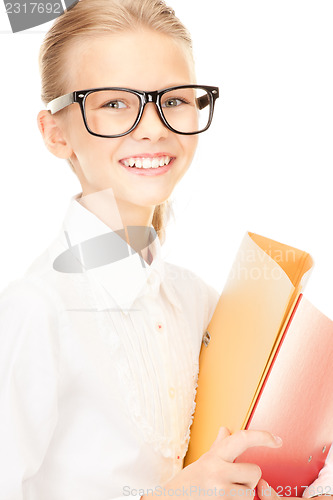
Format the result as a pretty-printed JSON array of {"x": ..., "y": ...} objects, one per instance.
[{"x": 264, "y": 166}]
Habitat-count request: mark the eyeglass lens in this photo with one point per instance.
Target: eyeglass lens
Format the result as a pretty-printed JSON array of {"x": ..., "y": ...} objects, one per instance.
[{"x": 113, "y": 112}]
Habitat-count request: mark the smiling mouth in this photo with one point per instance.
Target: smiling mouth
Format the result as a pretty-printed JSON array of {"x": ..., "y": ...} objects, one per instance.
[{"x": 147, "y": 162}]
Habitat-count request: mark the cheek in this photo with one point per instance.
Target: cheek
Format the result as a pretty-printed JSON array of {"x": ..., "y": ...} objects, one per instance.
[
  {"x": 189, "y": 144},
  {"x": 98, "y": 151},
  {"x": 87, "y": 147}
]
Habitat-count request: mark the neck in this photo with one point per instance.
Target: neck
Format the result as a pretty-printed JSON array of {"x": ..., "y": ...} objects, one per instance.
[{"x": 119, "y": 214}]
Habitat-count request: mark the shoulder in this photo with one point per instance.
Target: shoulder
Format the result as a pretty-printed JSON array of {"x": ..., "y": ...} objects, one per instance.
[
  {"x": 35, "y": 291},
  {"x": 27, "y": 294},
  {"x": 191, "y": 288},
  {"x": 184, "y": 277},
  {"x": 29, "y": 314}
]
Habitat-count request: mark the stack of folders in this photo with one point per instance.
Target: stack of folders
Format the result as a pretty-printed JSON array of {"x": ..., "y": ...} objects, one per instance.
[{"x": 266, "y": 363}]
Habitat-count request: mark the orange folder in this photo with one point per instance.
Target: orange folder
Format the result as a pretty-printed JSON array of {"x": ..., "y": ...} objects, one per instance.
[{"x": 266, "y": 364}]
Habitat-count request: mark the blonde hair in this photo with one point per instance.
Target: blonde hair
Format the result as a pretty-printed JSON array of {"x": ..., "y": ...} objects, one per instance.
[{"x": 99, "y": 17}]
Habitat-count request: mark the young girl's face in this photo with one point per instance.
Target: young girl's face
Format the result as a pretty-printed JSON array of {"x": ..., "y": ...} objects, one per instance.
[{"x": 141, "y": 60}]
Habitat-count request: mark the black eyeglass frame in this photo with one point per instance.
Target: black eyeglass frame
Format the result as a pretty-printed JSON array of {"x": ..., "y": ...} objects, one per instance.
[{"x": 80, "y": 97}]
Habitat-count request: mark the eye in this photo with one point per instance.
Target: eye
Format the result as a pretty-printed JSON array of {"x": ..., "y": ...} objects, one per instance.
[
  {"x": 173, "y": 102},
  {"x": 114, "y": 105}
]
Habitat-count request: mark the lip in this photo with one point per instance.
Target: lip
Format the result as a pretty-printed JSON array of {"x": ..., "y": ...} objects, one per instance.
[{"x": 150, "y": 171}]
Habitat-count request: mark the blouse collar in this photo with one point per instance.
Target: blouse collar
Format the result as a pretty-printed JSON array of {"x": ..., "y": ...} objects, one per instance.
[{"x": 92, "y": 247}]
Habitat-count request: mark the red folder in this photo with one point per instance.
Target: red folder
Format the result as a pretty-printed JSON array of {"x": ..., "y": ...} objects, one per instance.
[{"x": 296, "y": 403}]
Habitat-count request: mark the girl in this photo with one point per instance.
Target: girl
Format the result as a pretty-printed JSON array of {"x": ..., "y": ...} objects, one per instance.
[{"x": 100, "y": 339}]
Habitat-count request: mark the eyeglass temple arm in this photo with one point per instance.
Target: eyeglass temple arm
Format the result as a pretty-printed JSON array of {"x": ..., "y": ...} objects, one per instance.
[
  {"x": 203, "y": 101},
  {"x": 60, "y": 102}
]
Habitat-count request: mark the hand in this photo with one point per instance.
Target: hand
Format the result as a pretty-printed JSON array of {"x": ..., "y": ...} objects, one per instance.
[
  {"x": 215, "y": 470},
  {"x": 266, "y": 492}
]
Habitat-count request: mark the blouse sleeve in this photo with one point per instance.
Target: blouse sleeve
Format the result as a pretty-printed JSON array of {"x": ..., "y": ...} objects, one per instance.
[
  {"x": 28, "y": 383},
  {"x": 324, "y": 482}
]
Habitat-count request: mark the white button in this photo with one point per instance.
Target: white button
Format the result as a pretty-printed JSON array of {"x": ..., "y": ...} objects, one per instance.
[
  {"x": 151, "y": 279},
  {"x": 159, "y": 326},
  {"x": 167, "y": 452},
  {"x": 172, "y": 392}
]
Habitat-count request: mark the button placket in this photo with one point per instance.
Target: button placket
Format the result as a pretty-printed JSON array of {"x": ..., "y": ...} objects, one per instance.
[
  {"x": 171, "y": 392},
  {"x": 154, "y": 281},
  {"x": 159, "y": 326},
  {"x": 151, "y": 279}
]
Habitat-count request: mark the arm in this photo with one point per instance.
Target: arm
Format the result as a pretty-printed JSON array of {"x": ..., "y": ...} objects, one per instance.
[{"x": 28, "y": 384}]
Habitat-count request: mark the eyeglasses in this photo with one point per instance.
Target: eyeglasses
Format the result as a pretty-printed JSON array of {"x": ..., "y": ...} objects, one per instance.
[{"x": 116, "y": 111}]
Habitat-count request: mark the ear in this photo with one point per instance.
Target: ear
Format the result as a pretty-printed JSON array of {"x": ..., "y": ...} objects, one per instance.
[{"x": 53, "y": 135}]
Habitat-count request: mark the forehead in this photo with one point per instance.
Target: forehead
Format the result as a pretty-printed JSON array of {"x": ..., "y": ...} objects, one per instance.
[{"x": 145, "y": 60}]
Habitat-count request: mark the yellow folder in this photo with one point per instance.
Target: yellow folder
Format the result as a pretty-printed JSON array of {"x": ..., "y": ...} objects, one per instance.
[{"x": 243, "y": 335}]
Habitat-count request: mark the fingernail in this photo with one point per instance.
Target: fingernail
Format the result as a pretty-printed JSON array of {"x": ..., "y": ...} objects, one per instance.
[{"x": 278, "y": 440}]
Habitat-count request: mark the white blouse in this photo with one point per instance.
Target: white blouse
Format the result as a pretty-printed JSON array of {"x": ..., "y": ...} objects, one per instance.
[{"x": 98, "y": 372}]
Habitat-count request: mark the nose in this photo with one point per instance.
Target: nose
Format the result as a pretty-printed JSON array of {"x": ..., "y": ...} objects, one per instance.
[{"x": 150, "y": 126}]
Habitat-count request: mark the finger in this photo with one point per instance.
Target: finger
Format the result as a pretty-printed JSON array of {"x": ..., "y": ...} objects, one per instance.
[
  {"x": 223, "y": 433},
  {"x": 266, "y": 492},
  {"x": 244, "y": 473},
  {"x": 230, "y": 447}
]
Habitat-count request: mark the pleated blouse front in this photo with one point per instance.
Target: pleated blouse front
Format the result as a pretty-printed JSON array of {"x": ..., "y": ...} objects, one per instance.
[{"x": 98, "y": 372}]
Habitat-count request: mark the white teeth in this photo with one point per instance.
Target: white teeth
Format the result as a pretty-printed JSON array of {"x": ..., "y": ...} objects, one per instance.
[{"x": 147, "y": 162}]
